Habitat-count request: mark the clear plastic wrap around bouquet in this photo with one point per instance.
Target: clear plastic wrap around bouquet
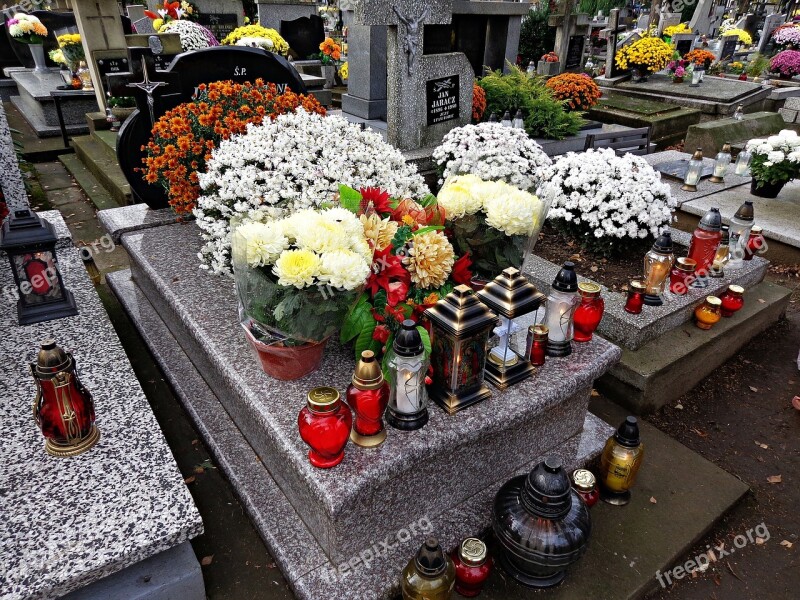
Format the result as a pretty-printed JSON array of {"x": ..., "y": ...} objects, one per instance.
[
  {"x": 496, "y": 223},
  {"x": 296, "y": 280}
]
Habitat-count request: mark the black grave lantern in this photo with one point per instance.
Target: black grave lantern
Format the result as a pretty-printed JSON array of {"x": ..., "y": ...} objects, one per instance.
[{"x": 30, "y": 243}]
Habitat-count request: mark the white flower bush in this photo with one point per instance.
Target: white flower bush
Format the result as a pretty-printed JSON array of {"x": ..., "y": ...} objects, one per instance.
[
  {"x": 776, "y": 159},
  {"x": 493, "y": 153},
  {"x": 193, "y": 35},
  {"x": 293, "y": 163},
  {"x": 608, "y": 201}
]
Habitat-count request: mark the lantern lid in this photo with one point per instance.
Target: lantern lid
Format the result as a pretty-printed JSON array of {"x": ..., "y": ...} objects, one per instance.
[
  {"x": 547, "y": 492},
  {"x": 368, "y": 374},
  {"x": 628, "y": 433},
  {"x": 51, "y": 358},
  {"x": 461, "y": 313},
  {"x": 686, "y": 264},
  {"x": 726, "y": 148},
  {"x": 567, "y": 279},
  {"x": 745, "y": 212},
  {"x": 511, "y": 294},
  {"x": 736, "y": 289},
  {"x": 25, "y": 229},
  {"x": 430, "y": 560},
  {"x": 638, "y": 286},
  {"x": 726, "y": 235},
  {"x": 472, "y": 552},
  {"x": 698, "y": 154},
  {"x": 756, "y": 229},
  {"x": 323, "y": 399},
  {"x": 712, "y": 221},
  {"x": 408, "y": 341},
  {"x": 663, "y": 243}
]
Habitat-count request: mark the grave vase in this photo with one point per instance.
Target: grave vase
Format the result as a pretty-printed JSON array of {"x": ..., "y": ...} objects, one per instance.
[
  {"x": 287, "y": 363},
  {"x": 767, "y": 190},
  {"x": 37, "y": 51},
  {"x": 676, "y": 79},
  {"x": 329, "y": 73}
]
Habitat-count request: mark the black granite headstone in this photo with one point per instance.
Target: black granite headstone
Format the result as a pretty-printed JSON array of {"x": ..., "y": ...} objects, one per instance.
[
  {"x": 728, "y": 47},
  {"x": 220, "y": 24},
  {"x": 304, "y": 35},
  {"x": 442, "y": 99},
  {"x": 683, "y": 47},
  {"x": 185, "y": 74},
  {"x": 574, "y": 52}
]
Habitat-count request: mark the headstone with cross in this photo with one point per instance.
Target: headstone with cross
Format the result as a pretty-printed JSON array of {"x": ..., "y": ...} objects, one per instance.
[
  {"x": 572, "y": 32},
  {"x": 427, "y": 94},
  {"x": 610, "y": 34}
]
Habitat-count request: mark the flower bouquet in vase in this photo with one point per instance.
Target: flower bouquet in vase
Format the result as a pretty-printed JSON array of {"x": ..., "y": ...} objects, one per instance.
[
  {"x": 495, "y": 223},
  {"x": 775, "y": 161},
  {"x": 29, "y": 30},
  {"x": 297, "y": 278}
]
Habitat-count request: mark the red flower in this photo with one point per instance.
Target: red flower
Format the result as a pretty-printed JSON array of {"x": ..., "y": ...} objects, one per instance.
[
  {"x": 386, "y": 268},
  {"x": 461, "y": 273},
  {"x": 397, "y": 292},
  {"x": 435, "y": 214},
  {"x": 151, "y": 15},
  {"x": 412, "y": 209},
  {"x": 380, "y": 199},
  {"x": 381, "y": 334},
  {"x": 398, "y": 313}
]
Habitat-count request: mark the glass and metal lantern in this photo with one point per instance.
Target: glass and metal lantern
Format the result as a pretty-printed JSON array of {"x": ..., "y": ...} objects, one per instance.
[
  {"x": 506, "y": 122},
  {"x": 519, "y": 120},
  {"x": 561, "y": 305},
  {"x": 697, "y": 77},
  {"x": 742, "y": 168},
  {"x": 741, "y": 224},
  {"x": 510, "y": 296},
  {"x": 408, "y": 367},
  {"x": 722, "y": 256},
  {"x": 694, "y": 172},
  {"x": 721, "y": 164},
  {"x": 657, "y": 265},
  {"x": 30, "y": 243},
  {"x": 460, "y": 326}
]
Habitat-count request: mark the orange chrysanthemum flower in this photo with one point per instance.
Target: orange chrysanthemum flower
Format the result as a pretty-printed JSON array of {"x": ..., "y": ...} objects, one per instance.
[{"x": 578, "y": 91}]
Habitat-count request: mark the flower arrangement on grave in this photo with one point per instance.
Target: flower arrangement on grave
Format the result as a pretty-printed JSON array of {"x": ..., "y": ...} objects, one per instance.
[
  {"x": 478, "y": 103},
  {"x": 171, "y": 11},
  {"x": 57, "y": 56},
  {"x": 776, "y": 159},
  {"x": 344, "y": 71},
  {"x": 184, "y": 137},
  {"x": 700, "y": 57},
  {"x": 787, "y": 35},
  {"x": 786, "y": 63},
  {"x": 193, "y": 35},
  {"x": 298, "y": 161},
  {"x": 494, "y": 153},
  {"x": 679, "y": 68},
  {"x": 550, "y": 57},
  {"x": 72, "y": 49},
  {"x": 744, "y": 37},
  {"x": 577, "y": 90},
  {"x": 329, "y": 52},
  {"x": 491, "y": 221},
  {"x": 726, "y": 25},
  {"x": 414, "y": 265},
  {"x": 269, "y": 39},
  {"x": 757, "y": 65},
  {"x": 610, "y": 204},
  {"x": 676, "y": 29},
  {"x": 26, "y": 29},
  {"x": 649, "y": 54},
  {"x": 296, "y": 279},
  {"x": 545, "y": 116},
  {"x": 736, "y": 67}
]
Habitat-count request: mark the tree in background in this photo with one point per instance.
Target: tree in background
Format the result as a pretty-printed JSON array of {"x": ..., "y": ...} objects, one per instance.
[{"x": 536, "y": 37}]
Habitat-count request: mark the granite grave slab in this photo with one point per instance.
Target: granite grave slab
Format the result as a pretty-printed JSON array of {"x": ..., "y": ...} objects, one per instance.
[
  {"x": 11, "y": 184},
  {"x": 38, "y": 108}
]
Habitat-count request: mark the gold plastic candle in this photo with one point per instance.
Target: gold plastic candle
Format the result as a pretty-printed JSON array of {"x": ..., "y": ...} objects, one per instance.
[{"x": 620, "y": 462}]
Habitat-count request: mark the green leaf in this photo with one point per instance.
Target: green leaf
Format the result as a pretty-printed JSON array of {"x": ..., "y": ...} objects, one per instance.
[
  {"x": 287, "y": 307},
  {"x": 364, "y": 340},
  {"x": 422, "y": 230},
  {"x": 357, "y": 320},
  {"x": 401, "y": 237},
  {"x": 426, "y": 340},
  {"x": 350, "y": 198},
  {"x": 428, "y": 200}
]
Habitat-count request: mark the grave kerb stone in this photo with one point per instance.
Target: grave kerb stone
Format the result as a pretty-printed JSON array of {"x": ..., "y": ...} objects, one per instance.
[{"x": 11, "y": 183}]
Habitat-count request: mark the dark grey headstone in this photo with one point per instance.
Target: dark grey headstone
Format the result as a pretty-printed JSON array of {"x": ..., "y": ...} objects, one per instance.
[
  {"x": 574, "y": 52},
  {"x": 728, "y": 47},
  {"x": 304, "y": 35},
  {"x": 220, "y": 24}
]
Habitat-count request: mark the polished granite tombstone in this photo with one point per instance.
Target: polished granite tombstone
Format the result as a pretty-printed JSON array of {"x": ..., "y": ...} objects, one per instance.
[
  {"x": 446, "y": 473},
  {"x": 38, "y": 108},
  {"x": 69, "y": 523}
]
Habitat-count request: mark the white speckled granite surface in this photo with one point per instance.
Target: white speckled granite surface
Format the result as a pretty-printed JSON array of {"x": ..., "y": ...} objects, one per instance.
[
  {"x": 310, "y": 573},
  {"x": 67, "y": 522},
  {"x": 458, "y": 456},
  {"x": 11, "y": 180}
]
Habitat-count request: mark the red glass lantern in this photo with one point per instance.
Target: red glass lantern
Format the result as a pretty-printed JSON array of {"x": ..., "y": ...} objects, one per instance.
[
  {"x": 324, "y": 425},
  {"x": 636, "y": 290},
  {"x": 732, "y": 300},
  {"x": 473, "y": 567},
  {"x": 681, "y": 275},
  {"x": 755, "y": 242},
  {"x": 537, "y": 344},
  {"x": 589, "y": 312},
  {"x": 703, "y": 247},
  {"x": 63, "y": 408},
  {"x": 585, "y": 484},
  {"x": 368, "y": 397}
]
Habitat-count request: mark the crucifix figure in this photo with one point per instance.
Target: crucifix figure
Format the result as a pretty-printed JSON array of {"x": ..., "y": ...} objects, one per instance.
[
  {"x": 410, "y": 39},
  {"x": 148, "y": 87}
]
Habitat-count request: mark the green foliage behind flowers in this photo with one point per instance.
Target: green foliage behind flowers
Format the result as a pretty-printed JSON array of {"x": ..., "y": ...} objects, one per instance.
[
  {"x": 545, "y": 117},
  {"x": 536, "y": 37}
]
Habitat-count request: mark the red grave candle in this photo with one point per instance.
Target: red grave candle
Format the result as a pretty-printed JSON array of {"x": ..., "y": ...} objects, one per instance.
[
  {"x": 705, "y": 241},
  {"x": 635, "y": 301},
  {"x": 589, "y": 312},
  {"x": 732, "y": 300},
  {"x": 324, "y": 425},
  {"x": 368, "y": 397},
  {"x": 473, "y": 567}
]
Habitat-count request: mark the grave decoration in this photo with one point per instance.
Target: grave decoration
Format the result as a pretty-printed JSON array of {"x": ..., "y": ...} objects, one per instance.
[
  {"x": 635, "y": 300},
  {"x": 774, "y": 162},
  {"x": 787, "y": 36},
  {"x": 296, "y": 280},
  {"x": 184, "y": 137},
  {"x": 620, "y": 462},
  {"x": 172, "y": 11},
  {"x": 324, "y": 425},
  {"x": 368, "y": 397},
  {"x": 560, "y": 311},
  {"x": 28, "y": 29},
  {"x": 700, "y": 57},
  {"x": 71, "y": 49},
  {"x": 645, "y": 56},
  {"x": 577, "y": 90},
  {"x": 541, "y": 524},
  {"x": 407, "y": 368},
  {"x": 739, "y": 232},
  {"x": 721, "y": 164},
  {"x": 786, "y": 64},
  {"x": 703, "y": 246},
  {"x": 473, "y": 567},
  {"x": 680, "y": 68},
  {"x": 709, "y": 313},
  {"x": 732, "y": 300},
  {"x": 589, "y": 312},
  {"x": 606, "y": 184},
  {"x": 430, "y": 575},
  {"x": 193, "y": 35},
  {"x": 494, "y": 153},
  {"x": 492, "y": 221},
  {"x": 30, "y": 243},
  {"x": 682, "y": 273},
  {"x": 721, "y": 258},
  {"x": 694, "y": 172},
  {"x": 63, "y": 408},
  {"x": 657, "y": 266},
  {"x": 745, "y": 38},
  {"x": 297, "y": 162},
  {"x": 258, "y": 36},
  {"x": 585, "y": 484},
  {"x": 676, "y": 29}
]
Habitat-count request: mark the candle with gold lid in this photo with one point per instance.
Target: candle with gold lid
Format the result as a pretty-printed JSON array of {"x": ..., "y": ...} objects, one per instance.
[
  {"x": 620, "y": 462},
  {"x": 657, "y": 265},
  {"x": 708, "y": 313},
  {"x": 585, "y": 483},
  {"x": 324, "y": 425},
  {"x": 368, "y": 396},
  {"x": 473, "y": 567}
]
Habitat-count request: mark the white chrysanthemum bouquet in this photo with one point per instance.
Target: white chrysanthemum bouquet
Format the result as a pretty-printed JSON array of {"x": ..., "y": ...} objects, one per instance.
[
  {"x": 193, "y": 35},
  {"x": 608, "y": 203},
  {"x": 297, "y": 277},
  {"x": 776, "y": 160},
  {"x": 492, "y": 221},
  {"x": 494, "y": 153}
]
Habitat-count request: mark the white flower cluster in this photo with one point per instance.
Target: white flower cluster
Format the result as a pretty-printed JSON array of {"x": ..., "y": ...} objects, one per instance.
[
  {"x": 777, "y": 148},
  {"x": 614, "y": 196},
  {"x": 22, "y": 25},
  {"x": 193, "y": 36},
  {"x": 257, "y": 42},
  {"x": 308, "y": 248},
  {"x": 293, "y": 163},
  {"x": 507, "y": 208},
  {"x": 493, "y": 152}
]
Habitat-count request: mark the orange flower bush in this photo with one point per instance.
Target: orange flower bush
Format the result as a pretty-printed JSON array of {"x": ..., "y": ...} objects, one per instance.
[
  {"x": 478, "y": 102},
  {"x": 329, "y": 51},
  {"x": 700, "y": 57},
  {"x": 184, "y": 137},
  {"x": 577, "y": 90}
]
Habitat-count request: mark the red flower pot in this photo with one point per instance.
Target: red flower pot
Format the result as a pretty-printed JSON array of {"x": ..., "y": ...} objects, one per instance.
[{"x": 287, "y": 363}]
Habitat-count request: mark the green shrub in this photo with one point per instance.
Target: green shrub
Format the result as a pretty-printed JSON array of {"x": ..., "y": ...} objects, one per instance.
[
  {"x": 545, "y": 117},
  {"x": 536, "y": 37}
]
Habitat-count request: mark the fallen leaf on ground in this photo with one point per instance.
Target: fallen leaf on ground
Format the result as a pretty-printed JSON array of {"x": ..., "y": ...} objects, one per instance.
[
  {"x": 796, "y": 402},
  {"x": 762, "y": 301},
  {"x": 787, "y": 543},
  {"x": 595, "y": 393},
  {"x": 774, "y": 479},
  {"x": 593, "y": 269},
  {"x": 679, "y": 406},
  {"x": 760, "y": 445},
  {"x": 189, "y": 480},
  {"x": 760, "y": 541},
  {"x": 207, "y": 560},
  {"x": 730, "y": 568},
  {"x": 753, "y": 389},
  {"x": 653, "y": 500},
  {"x": 698, "y": 432}
]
